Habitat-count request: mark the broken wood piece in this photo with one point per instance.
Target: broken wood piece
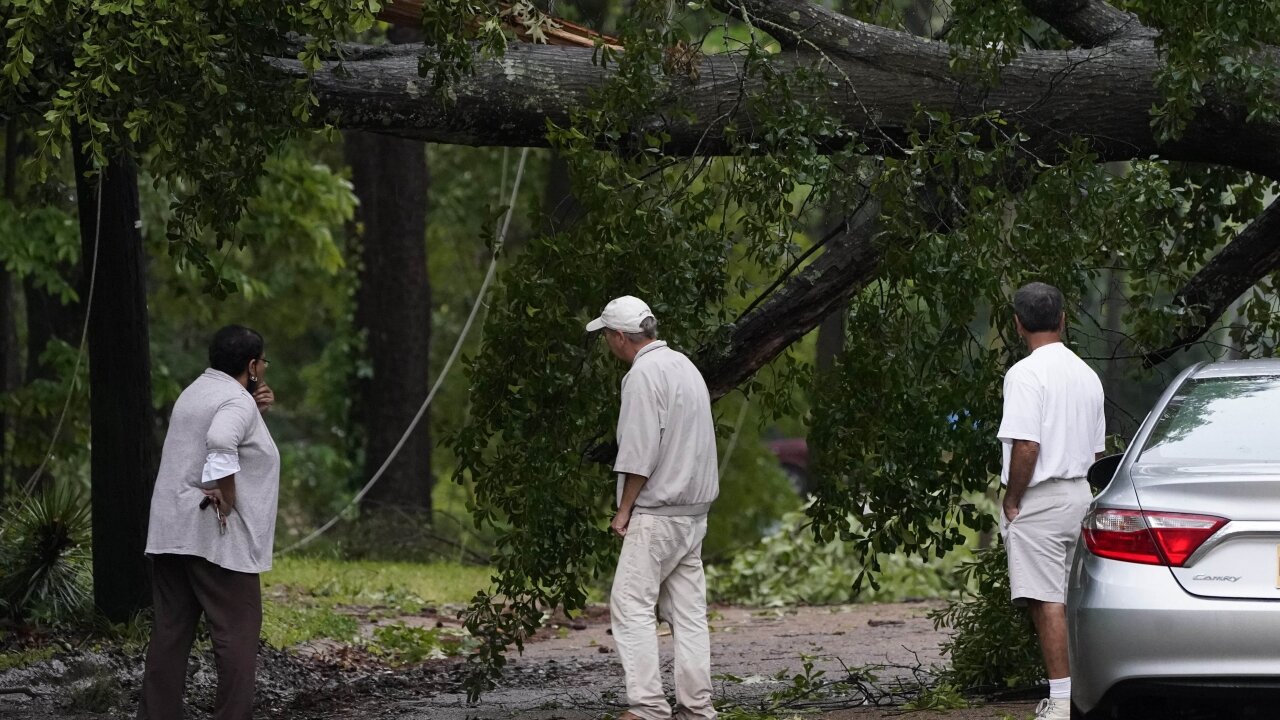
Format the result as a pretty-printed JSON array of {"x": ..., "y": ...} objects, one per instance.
[{"x": 556, "y": 31}]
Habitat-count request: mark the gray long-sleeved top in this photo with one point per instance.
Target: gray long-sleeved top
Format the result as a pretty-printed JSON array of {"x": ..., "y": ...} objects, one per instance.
[{"x": 215, "y": 414}]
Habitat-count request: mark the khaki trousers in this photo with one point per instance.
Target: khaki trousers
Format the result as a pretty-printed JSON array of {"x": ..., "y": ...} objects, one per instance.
[
  {"x": 661, "y": 569},
  {"x": 185, "y": 586}
]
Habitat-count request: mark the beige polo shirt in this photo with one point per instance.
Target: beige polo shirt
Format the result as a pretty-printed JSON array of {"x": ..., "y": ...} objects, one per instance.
[{"x": 666, "y": 433}]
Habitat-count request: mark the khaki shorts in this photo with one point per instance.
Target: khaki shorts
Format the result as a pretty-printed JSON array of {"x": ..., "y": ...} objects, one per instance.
[{"x": 1041, "y": 540}]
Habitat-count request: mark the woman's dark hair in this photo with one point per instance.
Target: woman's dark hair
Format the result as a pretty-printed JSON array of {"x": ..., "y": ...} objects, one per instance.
[{"x": 233, "y": 347}]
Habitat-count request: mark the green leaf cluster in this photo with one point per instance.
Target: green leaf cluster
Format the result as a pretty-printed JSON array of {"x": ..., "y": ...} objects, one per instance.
[
  {"x": 188, "y": 84},
  {"x": 401, "y": 644},
  {"x": 994, "y": 646},
  {"x": 37, "y": 407},
  {"x": 789, "y": 567},
  {"x": 38, "y": 244},
  {"x": 461, "y": 31},
  {"x": 1214, "y": 54}
]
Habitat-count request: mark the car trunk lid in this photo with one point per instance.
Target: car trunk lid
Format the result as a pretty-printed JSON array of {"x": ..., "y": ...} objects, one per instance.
[{"x": 1240, "y": 560}]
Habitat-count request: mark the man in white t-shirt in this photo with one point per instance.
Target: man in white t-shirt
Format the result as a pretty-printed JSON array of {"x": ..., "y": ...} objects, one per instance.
[
  {"x": 667, "y": 479},
  {"x": 1052, "y": 430}
]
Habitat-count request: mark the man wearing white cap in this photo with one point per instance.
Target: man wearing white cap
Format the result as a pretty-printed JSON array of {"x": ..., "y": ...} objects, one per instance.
[{"x": 667, "y": 479}]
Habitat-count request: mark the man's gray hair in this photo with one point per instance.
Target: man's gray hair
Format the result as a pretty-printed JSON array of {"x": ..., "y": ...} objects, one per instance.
[
  {"x": 1038, "y": 306},
  {"x": 648, "y": 330}
]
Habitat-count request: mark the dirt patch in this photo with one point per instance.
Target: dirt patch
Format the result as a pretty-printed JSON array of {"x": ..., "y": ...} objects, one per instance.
[
  {"x": 756, "y": 653},
  {"x": 571, "y": 672}
]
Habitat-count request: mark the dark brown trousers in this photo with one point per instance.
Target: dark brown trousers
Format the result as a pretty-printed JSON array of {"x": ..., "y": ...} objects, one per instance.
[{"x": 184, "y": 587}]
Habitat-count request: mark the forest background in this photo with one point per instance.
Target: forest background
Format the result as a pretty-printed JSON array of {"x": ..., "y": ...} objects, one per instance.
[{"x": 360, "y": 256}]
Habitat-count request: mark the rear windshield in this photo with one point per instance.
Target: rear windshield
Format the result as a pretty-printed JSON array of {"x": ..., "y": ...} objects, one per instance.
[{"x": 1233, "y": 419}]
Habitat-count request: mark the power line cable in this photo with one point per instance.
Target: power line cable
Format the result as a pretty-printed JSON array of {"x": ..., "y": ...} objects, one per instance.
[
  {"x": 733, "y": 439},
  {"x": 457, "y": 349}
]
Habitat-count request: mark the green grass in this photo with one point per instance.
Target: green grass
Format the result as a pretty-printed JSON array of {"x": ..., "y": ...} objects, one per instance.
[
  {"x": 309, "y": 598},
  {"x": 23, "y": 658},
  {"x": 305, "y": 597},
  {"x": 284, "y": 625},
  {"x": 403, "y": 586}
]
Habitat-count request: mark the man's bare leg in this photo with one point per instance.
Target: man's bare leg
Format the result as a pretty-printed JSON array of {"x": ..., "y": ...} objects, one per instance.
[{"x": 1051, "y": 628}]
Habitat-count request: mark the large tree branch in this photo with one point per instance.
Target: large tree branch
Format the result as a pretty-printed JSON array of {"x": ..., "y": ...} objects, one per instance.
[
  {"x": 850, "y": 261},
  {"x": 807, "y": 26},
  {"x": 1250, "y": 257},
  {"x": 797, "y": 23},
  {"x": 876, "y": 80},
  {"x": 1101, "y": 97},
  {"x": 1090, "y": 23}
]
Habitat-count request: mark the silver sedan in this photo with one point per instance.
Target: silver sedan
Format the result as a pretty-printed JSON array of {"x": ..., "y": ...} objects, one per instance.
[{"x": 1175, "y": 591}]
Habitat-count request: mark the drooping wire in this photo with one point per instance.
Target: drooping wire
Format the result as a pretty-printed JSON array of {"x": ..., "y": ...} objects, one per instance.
[
  {"x": 733, "y": 439},
  {"x": 444, "y": 372}
]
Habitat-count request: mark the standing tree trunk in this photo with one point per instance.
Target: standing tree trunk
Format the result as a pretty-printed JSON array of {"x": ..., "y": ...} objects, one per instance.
[
  {"x": 121, "y": 415},
  {"x": 8, "y": 361},
  {"x": 831, "y": 331},
  {"x": 48, "y": 319},
  {"x": 830, "y": 342},
  {"x": 393, "y": 308},
  {"x": 1113, "y": 370},
  {"x": 559, "y": 206},
  {"x": 8, "y": 333}
]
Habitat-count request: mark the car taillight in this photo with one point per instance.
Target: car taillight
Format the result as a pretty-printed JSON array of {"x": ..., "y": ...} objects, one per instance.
[{"x": 1152, "y": 538}]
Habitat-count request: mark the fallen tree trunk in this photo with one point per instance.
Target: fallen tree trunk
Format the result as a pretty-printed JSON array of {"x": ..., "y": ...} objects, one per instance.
[{"x": 1101, "y": 97}]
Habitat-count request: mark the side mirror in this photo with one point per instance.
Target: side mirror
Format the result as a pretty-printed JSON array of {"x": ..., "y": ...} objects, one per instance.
[{"x": 1101, "y": 472}]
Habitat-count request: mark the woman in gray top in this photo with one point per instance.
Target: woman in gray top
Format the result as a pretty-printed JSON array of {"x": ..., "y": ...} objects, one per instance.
[{"x": 213, "y": 516}]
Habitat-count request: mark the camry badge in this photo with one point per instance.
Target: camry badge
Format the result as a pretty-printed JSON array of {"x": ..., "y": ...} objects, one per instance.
[{"x": 1216, "y": 578}]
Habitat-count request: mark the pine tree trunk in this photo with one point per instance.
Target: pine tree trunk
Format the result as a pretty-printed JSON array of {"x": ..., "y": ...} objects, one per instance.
[
  {"x": 8, "y": 335},
  {"x": 6, "y": 339},
  {"x": 393, "y": 308},
  {"x": 123, "y": 460}
]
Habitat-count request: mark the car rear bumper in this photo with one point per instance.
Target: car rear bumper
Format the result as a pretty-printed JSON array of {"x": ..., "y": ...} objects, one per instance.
[{"x": 1132, "y": 626}]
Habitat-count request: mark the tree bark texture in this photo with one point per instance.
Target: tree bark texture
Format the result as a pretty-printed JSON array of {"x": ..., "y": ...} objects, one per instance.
[
  {"x": 1090, "y": 23},
  {"x": 8, "y": 331},
  {"x": 830, "y": 342},
  {"x": 850, "y": 260},
  {"x": 393, "y": 308},
  {"x": 875, "y": 80},
  {"x": 6, "y": 360},
  {"x": 831, "y": 331},
  {"x": 122, "y": 420}
]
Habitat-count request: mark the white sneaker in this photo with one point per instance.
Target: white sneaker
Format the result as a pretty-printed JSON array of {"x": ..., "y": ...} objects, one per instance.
[{"x": 1053, "y": 709}]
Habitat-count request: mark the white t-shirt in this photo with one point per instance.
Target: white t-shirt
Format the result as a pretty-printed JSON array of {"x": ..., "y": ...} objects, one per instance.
[
  {"x": 1053, "y": 398},
  {"x": 666, "y": 433}
]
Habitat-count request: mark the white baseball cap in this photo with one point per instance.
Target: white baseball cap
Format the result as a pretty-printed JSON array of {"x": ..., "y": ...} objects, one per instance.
[{"x": 623, "y": 314}]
